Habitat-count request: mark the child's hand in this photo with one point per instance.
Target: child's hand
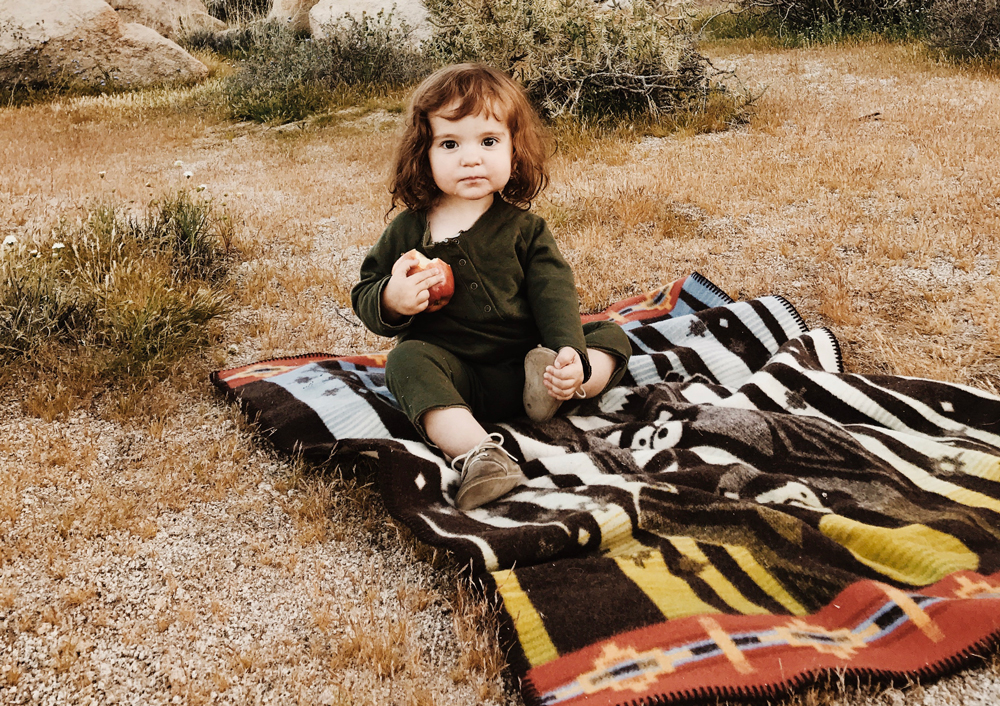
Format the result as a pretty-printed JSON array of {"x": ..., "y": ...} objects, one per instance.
[
  {"x": 405, "y": 296},
  {"x": 565, "y": 375}
]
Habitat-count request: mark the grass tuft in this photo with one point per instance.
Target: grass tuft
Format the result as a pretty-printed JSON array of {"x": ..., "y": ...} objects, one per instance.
[{"x": 115, "y": 295}]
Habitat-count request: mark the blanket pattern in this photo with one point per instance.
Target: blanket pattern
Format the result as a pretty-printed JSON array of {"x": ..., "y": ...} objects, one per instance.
[{"x": 739, "y": 516}]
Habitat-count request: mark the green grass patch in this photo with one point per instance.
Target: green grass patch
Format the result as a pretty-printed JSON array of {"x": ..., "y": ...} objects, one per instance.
[
  {"x": 125, "y": 296},
  {"x": 754, "y": 27}
]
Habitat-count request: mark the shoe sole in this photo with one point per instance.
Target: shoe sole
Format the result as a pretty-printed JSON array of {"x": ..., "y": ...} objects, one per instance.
[
  {"x": 482, "y": 491},
  {"x": 539, "y": 405}
]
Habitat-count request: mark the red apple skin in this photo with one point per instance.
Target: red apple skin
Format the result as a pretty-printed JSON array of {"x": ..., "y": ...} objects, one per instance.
[{"x": 440, "y": 294}]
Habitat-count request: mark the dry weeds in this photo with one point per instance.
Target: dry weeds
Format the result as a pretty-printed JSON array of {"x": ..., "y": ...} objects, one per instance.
[{"x": 152, "y": 548}]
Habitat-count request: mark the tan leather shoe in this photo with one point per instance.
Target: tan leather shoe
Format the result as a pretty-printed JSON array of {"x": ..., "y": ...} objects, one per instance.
[
  {"x": 538, "y": 403},
  {"x": 488, "y": 472}
]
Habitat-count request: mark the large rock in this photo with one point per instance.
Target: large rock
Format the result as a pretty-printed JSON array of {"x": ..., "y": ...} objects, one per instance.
[
  {"x": 413, "y": 12},
  {"x": 294, "y": 14},
  {"x": 85, "y": 39},
  {"x": 171, "y": 18}
]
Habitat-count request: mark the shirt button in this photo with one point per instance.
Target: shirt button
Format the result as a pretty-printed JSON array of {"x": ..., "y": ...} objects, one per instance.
[
  {"x": 462, "y": 263},
  {"x": 474, "y": 286},
  {"x": 488, "y": 309}
]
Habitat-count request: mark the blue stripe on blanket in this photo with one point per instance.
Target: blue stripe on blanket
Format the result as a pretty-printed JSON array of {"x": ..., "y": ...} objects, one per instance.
[{"x": 345, "y": 413}]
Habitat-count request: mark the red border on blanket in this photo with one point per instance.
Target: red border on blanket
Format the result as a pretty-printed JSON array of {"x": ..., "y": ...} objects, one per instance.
[
  {"x": 233, "y": 378},
  {"x": 641, "y": 306},
  {"x": 870, "y": 628}
]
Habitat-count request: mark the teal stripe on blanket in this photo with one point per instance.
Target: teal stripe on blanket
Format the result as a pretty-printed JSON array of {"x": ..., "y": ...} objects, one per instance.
[{"x": 345, "y": 413}]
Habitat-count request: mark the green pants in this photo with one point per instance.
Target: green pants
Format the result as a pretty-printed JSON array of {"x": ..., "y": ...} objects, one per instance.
[{"x": 423, "y": 376}]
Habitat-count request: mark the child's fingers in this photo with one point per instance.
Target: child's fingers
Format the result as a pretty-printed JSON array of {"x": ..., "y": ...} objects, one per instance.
[
  {"x": 566, "y": 356},
  {"x": 426, "y": 278},
  {"x": 404, "y": 263},
  {"x": 559, "y": 392},
  {"x": 560, "y": 385}
]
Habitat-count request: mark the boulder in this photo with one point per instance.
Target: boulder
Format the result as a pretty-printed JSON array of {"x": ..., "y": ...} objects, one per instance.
[
  {"x": 171, "y": 18},
  {"x": 292, "y": 13},
  {"x": 41, "y": 40},
  {"x": 413, "y": 12}
]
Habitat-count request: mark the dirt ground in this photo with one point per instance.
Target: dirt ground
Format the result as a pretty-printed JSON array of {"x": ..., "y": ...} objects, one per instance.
[{"x": 156, "y": 551}]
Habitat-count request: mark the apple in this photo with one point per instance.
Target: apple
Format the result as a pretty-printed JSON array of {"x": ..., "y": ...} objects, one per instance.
[{"x": 440, "y": 294}]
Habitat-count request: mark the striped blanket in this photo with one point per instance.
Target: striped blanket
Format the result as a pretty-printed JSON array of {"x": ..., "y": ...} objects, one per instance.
[{"x": 737, "y": 518}]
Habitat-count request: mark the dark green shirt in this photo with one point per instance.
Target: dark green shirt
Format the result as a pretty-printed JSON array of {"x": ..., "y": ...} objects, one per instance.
[{"x": 513, "y": 289}]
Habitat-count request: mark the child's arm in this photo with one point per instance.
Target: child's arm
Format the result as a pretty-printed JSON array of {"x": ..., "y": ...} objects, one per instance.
[
  {"x": 377, "y": 271},
  {"x": 554, "y": 303}
]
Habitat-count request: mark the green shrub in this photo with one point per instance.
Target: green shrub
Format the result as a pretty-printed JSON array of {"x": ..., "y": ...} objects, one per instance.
[
  {"x": 284, "y": 77},
  {"x": 743, "y": 23},
  {"x": 576, "y": 57},
  {"x": 36, "y": 306},
  {"x": 965, "y": 28},
  {"x": 238, "y": 11},
  {"x": 235, "y": 43},
  {"x": 136, "y": 292},
  {"x": 825, "y": 21}
]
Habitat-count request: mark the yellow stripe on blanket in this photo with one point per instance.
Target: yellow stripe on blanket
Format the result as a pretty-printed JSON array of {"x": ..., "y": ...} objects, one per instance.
[
  {"x": 714, "y": 578},
  {"x": 914, "y": 554},
  {"x": 531, "y": 632},
  {"x": 763, "y": 578},
  {"x": 670, "y": 593}
]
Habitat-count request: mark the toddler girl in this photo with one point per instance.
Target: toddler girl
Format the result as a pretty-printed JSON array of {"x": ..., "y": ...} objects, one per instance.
[{"x": 471, "y": 159}]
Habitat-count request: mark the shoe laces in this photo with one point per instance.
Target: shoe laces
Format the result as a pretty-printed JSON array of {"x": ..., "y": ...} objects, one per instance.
[{"x": 492, "y": 441}]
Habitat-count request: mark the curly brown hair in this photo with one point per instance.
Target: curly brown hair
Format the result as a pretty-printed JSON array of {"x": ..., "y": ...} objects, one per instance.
[{"x": 473, "y": 89}]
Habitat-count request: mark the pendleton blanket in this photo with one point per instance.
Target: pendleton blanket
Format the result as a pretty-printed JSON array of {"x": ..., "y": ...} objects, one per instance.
[{"x": 739, "y": 517}]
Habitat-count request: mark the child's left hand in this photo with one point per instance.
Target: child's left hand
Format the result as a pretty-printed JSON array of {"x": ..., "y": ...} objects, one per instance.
[{"x": 565, "y": 375}]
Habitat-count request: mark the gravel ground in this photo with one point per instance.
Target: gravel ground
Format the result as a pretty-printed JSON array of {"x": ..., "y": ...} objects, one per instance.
[{"x": 167, "y": 555}]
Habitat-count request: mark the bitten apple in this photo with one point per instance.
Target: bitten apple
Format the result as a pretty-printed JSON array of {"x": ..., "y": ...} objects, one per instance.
[{"x": 439, "y": 294}]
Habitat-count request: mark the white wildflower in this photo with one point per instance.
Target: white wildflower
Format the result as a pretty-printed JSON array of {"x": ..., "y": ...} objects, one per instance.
[
  {"x": 58, "y": 246},
  {"x": 101, "y": 174},
  {"x": 10, "y": 240},
  {"x": 178, "y": 163},
  {"x": 188, "y": 175},
  {"x": 202, "y": 187}
]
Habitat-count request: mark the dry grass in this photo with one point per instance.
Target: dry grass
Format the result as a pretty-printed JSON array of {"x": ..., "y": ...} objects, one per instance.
[{"x": 866, "y": 190}]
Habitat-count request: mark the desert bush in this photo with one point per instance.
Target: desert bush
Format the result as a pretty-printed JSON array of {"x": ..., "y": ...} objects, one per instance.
[
  {"x": 833, "y": 20},
  {"x": 965, "y": 28},
  {"x": 136, "y": 292},
  {"x": 283, "y": 77},
  {"x": 237, "y": 12},
  {"x": 576, "y": 57},
  {"x": 235, "y": 43}
]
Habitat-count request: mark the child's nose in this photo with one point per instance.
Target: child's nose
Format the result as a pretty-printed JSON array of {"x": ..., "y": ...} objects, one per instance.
[{"x": 471, "y": 156}]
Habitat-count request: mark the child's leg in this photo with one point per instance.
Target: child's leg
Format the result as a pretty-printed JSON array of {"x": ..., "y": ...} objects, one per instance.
[
  {"x": 453, "y": 429},
  {"x": 602, "y": 367},
  {"x": 608, "y": 349},
  {"x": 488, "y": 471},
  {"x": 436, "y": 389}
]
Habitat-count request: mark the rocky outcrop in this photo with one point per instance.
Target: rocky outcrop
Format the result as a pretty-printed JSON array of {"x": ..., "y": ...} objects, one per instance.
[
  {"x": 294, "y": 14},
  {"x": 412, "y": 12},
  {"x": 85, "y": 40},
  {"x": 171, "y": 18}
]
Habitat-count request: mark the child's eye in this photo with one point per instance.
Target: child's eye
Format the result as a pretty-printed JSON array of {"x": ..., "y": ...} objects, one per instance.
[
  {"x": 490, "y": 141},
  {"x": 449, "y": 144}
]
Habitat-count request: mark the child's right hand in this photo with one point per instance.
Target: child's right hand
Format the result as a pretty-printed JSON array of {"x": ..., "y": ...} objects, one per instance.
[{"x": 408, "y": 295}]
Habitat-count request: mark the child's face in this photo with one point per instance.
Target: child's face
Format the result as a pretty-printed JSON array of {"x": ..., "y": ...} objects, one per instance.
[{"x": 470, "y": 157}]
